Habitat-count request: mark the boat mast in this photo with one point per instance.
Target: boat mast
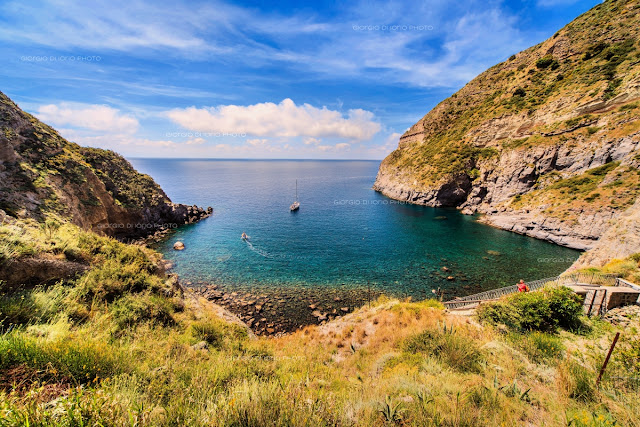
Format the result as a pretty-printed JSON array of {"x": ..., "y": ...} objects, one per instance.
[{"x": 296, "y": 190}]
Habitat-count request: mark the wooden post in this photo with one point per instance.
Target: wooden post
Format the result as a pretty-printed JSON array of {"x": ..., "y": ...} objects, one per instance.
[{"x": 606, "y": 360}]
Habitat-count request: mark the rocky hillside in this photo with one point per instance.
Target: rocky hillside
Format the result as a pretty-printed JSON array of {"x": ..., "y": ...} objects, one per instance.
[
  {"x": 43, "y": 174},
  {"x": 545, "y": 143}
]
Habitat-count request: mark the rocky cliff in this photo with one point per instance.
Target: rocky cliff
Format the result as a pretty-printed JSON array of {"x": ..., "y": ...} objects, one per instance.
[
  {"x": 43, "y": 174},
  {"x": 544, "y": 144}
]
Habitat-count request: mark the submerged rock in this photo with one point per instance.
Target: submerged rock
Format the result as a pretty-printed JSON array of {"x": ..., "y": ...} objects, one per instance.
[{"x": 178, "y": 246}]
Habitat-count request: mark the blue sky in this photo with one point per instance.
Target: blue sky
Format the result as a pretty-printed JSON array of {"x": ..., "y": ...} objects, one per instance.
[{"x": 213, "y": 79}]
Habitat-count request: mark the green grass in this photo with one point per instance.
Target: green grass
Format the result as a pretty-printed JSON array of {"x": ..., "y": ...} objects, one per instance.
[
  {"x": 453, "y": 349},
  {"x": 539, "y": 346}
]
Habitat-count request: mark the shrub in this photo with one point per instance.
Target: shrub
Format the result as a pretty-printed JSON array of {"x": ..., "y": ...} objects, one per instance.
[
  {"x": 131, "y": 310},
  {"x": 592, "y": 129},
  {"x": 629, "y": 356},
  {"x": 565, "y": 305},
  {"x": 210, "y": 332},
  {"x": 519, "y": 92},
  {"x": 594, "y": 50},
  {"x": 547, "y": 62},
  {"x": 535, "y": 311},
  {"x": 458, "y": 352},
  {"x": 38, "y": 305}
]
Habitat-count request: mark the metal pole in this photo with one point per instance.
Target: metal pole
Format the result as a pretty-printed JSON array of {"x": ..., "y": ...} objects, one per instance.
[{"x": 606, "y": 361}]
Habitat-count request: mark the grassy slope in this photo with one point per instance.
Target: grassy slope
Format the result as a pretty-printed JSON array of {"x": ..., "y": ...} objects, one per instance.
[
  {"x": 116, "y": 347},
  {"x": 602, "y": 58}
]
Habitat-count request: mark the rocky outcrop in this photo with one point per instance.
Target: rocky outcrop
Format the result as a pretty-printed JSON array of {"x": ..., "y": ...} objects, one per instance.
[
  {"x": 619, "y": 241},
  {"x": 517, "y": 144},
  {"x": 32, "y": 271},
  {"x": 41, "y": 173},
  {"x": 517, "y": 173}
]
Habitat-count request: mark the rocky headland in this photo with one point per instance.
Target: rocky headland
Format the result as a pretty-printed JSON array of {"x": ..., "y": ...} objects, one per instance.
[
  {"x": 43, "y": 174},
  {"x": 544, "y": 144}
]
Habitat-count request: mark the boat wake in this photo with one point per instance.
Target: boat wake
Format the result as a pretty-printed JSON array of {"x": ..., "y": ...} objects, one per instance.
[{"x": 258, "y": 251}]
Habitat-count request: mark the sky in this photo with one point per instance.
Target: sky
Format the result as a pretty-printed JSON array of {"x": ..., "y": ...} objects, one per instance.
[{"x": 249, "y": 79}]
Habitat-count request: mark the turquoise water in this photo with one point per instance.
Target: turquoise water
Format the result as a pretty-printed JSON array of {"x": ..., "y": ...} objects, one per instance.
[{"x": 344, "y": 236}]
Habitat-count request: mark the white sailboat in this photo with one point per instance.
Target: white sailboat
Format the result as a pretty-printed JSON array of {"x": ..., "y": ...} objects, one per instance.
[{"x": 295, "y": 205}]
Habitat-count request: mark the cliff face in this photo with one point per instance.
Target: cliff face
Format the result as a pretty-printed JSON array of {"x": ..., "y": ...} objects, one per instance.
[
  {"x": 544, "y": 144},
  {"x": 42, "y": 173}
]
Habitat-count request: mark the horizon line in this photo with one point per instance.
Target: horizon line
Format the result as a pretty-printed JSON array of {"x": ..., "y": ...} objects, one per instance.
[{"x": 249, "y": 158}]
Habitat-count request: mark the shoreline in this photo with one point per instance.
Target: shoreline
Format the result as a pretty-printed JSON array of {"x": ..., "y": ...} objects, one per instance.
[
  {"x": 286, "y": 310},
  {"x": 515, "y": 222}
]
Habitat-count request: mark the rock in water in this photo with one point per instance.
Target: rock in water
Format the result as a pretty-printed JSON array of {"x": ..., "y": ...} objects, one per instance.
[{"x": 178, "y": 246}]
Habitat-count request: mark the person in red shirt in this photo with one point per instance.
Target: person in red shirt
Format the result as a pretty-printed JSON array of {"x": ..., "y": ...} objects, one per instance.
[{"x": 522, "y": 287}]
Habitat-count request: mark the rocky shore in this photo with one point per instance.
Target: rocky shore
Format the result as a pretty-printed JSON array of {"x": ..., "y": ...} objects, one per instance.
[{"x": 280, "y": 311}]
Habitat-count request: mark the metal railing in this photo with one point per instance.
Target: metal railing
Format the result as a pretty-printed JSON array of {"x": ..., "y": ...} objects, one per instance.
[
  {"x": 626, "y": 284},
  {"x": 565, "y": 279}
]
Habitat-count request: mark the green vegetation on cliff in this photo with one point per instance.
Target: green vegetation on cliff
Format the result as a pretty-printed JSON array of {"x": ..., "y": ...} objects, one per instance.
[
  {"x": 579, "y": 59},
  {"x": 520, "y": 143},
  {"x": 604, "y": 187},
  {"x": 42, "y": 174},
  {"x": 576, "y": 89}
]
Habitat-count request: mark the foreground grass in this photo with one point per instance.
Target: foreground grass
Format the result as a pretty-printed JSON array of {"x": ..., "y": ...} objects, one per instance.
[{"x": 119, "y": 346}]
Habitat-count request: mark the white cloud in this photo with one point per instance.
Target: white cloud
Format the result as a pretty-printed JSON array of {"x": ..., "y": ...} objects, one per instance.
[
  {"x": 311, "y": 141},
  {"x": 285, "y": 119},
  {"x": 112, "y": 24},
  {"x": 393, "y": 138},
  {"x": 196, "y": 141},
  {"x": 93, "y": 117},
  {"x": 448, "y": 54},
  {"x": 341, "y": 147},
  {"x": 257, "y": 142}
]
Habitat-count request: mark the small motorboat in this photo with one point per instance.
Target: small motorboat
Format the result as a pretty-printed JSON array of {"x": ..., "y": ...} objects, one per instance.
[
  {"x": 295, "y": 205},
  {"x": 244, "y": 236}
]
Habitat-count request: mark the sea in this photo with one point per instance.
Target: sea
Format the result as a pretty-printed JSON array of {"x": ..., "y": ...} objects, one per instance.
[{"x": 345, "y": 240}]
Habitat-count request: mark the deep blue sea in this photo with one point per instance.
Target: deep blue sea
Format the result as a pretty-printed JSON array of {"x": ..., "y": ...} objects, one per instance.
[{"x": 345, "y": 235}]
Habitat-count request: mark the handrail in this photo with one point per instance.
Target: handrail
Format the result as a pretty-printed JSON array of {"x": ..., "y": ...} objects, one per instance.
[
  {"x": 628, "y": 284},
  {"x": 564, "y": 279}
]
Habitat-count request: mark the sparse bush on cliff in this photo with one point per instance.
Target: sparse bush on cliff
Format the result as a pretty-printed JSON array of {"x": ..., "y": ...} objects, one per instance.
[
  {"x": 547, "y": 62},
  {"x": 520, "y": 92},
  {"x": 131, "y": 310}
]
